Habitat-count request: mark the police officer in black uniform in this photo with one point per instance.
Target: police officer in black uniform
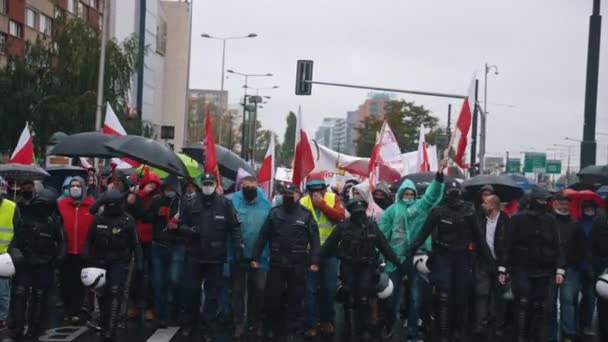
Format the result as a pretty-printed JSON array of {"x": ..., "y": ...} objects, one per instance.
[
  {"x": 534, "y": 256},
  {"x": 293, "y": 236},
  {"x": 111, "y": 242},
  {"x": 42, "y": 241},
  {"x": 599, "y": 255},
  {"x": 454, "y": 232},
  {"x": 207, "y": 253},
  {"x": 356, "y": 241}
]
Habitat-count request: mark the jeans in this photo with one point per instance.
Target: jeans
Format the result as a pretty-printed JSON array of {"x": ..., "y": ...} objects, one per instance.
[
  {"x": 577, "y": 281},
  {"x": 320, "y": 291},
  {"x": 5, "y": 296},
  {"x": 391, "y": 305},
  {"x": 248, "y": 293},
  {"x": 167, "y": 271}
]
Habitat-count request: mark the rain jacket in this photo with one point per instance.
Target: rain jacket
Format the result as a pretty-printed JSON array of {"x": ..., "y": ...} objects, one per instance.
[
  {"x": 400, "y": 223},
  {"x": 252, "y": 216},
  {"x": 77, "y": 218}
]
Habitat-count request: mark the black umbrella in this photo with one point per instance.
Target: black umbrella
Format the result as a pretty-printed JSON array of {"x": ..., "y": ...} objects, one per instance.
[
  {"x": 18, "y": 173},
  {"x": 423, "y": 179},
  {"x": 87, "y": 144},
  {"x": 229, "y": 162},
  {"x": 594, "y": 174},
  {"x": 59, "y": 173},
  {"x": 149, "y": 152},
  {"x": 504, "y": 186}
]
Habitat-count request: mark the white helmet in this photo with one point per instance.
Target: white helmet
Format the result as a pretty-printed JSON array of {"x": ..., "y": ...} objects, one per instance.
[
  {"x": 385, "y": 286},
  {"x": 420, "y": 263},
  {"x": 93, "y": 277},
  {"x": 601, "y": 286},
  {"x": 7, "y": 267}
]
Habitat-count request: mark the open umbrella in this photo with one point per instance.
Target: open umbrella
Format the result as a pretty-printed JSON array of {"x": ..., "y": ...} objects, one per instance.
[
  {"x": 59, "y": 173},
  {"x": 87, "y": 144},
  {"x": 578, "y": 197},
  {"x": 229, "y": 162},
  {"x": 423, "y": 179},
  {"x": 521, "y": 180},
  {"x": 148, "y": 151},
  {"x": 603, "y": 191},
  {"x": 18, "y": 173},
  {"x": 194, "y": 168},
  {"x": 504, "y": 186},
  {"x": 594, "y": 174}
]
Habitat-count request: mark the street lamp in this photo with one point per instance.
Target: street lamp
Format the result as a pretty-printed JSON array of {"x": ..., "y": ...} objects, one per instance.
[
  {"x": 482, "y": 136},
  {"x": 244, "y": 130},
  {"x": 569, "y": 147}
]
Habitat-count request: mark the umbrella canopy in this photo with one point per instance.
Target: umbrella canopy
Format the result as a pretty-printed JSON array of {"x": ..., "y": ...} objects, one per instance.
[
  {"x": 87, "y": 144},
  {"x": 59, "y": 173},
  {"x": 148, "y": 151},
  {"x": 578, "y": 197},
  {"x": 229, "y": 162},
  {"x": 522, "y": 181},
  {"x": 603, "y": 191},
  {"x": 195, "y": 170},
  {"x": 504, "y": 186},
  {"x": 18, "y": 173},
  {"x": 423, "y": 179},
  {"x": 594, "y": 174}
]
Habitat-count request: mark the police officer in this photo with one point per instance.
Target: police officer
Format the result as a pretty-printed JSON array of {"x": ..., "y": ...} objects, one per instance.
[
  {"x": 534, "y": 256},
  {"x": 599, "y": 241},
  {"x": 42, "y": 241},
  {"x": 111, "y": 241},
  {"x": 356, "y": 242},
  {"x": 453, "y": 228},
  {"x": 293, "y": 236},
  {"x": 207, "y": 253}
]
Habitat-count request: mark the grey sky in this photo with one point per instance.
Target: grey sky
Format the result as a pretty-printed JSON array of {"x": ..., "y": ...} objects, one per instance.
[{"x": 539, "y": 46}]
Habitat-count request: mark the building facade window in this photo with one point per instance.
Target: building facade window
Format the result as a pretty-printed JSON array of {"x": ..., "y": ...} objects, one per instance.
[
  {"x": 71, "y": 6},
  {"x": 93, "y": 4},
  {"x": 15, "y": 29},
  {"x": 82, "y": 10},
  {"x": 161, "y": 37},
  {"x": 45, "y": 24},
  {"x": 3, "y": 6},
  {"x": 30, "y": 17}
]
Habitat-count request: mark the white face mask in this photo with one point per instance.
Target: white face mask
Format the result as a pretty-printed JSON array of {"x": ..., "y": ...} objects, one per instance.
[
  {"x": 208, "y": 189},
  {"x": 75, "y": 192}
]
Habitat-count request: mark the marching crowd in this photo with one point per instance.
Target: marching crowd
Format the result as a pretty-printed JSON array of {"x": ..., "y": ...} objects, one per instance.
[{"x": 179, "y": 252}]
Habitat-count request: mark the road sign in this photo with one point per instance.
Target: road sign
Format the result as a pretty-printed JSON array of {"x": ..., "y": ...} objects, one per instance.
[
  {"x": 513, "y": 166},
  {"x": 535, "y": 162},
  {"x": 303, "y": 74},
  {"x": 554, "y": 167}
]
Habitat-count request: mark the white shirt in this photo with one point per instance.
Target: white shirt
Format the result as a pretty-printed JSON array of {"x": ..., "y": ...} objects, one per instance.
[{"x": 491, "y": 232}]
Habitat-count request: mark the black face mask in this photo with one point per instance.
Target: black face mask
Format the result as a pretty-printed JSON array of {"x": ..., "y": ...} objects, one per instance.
[
  {"x": 538, "y": 206},
  {"x": 383, "y": 202},
  {"x": 113, "y": 209},
  {"x": 289, "y": 201},
  {"x": 28, "y": 195},
  {"x": 250, "y": 193}
]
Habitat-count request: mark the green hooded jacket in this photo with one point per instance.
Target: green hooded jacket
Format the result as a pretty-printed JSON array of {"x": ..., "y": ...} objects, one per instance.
[{"x": 401, "y": 222}]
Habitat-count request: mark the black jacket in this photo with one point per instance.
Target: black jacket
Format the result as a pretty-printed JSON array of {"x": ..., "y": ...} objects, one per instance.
[
  {"x": 501, "y": 241},
  {"x": 453, "y": 228},
  {"x": 163, "y": 210},
  {"x": 572, "y": 238},
  {"x": 293, "y": 235},
  {"x": 207, "y": 240},
  {"x": 358, "y": 242},
  {"x": 599, "y": 243},
  {"x": 535, "y": 244},
  {"x": 112, "y": 239},
  {"x": 40, "y": 239}
]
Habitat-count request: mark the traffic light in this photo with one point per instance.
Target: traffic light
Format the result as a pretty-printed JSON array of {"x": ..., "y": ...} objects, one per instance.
[{"x": 303, "y": 74}]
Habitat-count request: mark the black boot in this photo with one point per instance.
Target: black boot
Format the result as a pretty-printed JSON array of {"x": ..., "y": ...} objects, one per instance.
[
  {"x": 443, "y": 317},
  {"x": 537, "y": 321},
  {"x": 521, "y": 320},
  {"x": 114, "y": 312},
  {"x": 36, "y": 313}
]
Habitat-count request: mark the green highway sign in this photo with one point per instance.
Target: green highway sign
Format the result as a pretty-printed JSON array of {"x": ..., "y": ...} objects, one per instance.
[
  {"x": 554, "y": 167},
  {"x": 513, "y": 165},
  {"x": 535, "y": 162}
]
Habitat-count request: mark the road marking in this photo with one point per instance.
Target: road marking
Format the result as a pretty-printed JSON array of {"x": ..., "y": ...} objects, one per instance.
[
  {"x": 163, "y": 335},
  {"x": 63, "y": 334}
]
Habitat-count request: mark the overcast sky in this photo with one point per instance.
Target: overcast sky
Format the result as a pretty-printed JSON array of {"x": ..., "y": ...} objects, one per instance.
[{"x": 540, "y": 48}]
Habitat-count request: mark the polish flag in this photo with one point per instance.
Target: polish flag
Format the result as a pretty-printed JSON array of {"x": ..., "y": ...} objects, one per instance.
[
  {"x": 386, "y": 158},
  {"x": 112, "y": 126},
  {"x": 85, "y": 163},
  {"x": 460, "y": 136},
  {"x": 266, "y": 173},
  {"x": 303, "y": 161},
  {"x": 422, "y": 156},
  {"x": 24, "y": 152}
]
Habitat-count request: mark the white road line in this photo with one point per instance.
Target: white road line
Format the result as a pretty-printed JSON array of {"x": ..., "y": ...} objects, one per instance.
[{"x": 163, "y": 335}]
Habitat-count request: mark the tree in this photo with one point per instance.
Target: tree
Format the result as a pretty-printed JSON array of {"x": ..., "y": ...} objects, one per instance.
[
  {"x": 289, "y": 140},
  {"x": 405, "y": 119},
  {"x": 54, "y": 86}
]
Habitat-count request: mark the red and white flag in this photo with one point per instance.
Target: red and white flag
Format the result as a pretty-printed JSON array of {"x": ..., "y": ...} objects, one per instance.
[
  {"x": 460, "y": 136},
  {"x": 24, "y": 152},
  {"x": 422, "y": 156},
  {"x": 303, "y": 161},
  {"x": 385, "y": 159},
  {"x": 266, "y": 173},
  {"x": 112, "y": 126}
]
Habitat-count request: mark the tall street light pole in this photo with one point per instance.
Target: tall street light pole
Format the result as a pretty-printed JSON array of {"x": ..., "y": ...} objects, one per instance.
[
  {"x": 244, "y": 139},
  {"x": 224, "y": 39},
  {"x": 254, "y": 120},
  {"x": 482, "y": 135},
  {"x": 102, "y": 63}
]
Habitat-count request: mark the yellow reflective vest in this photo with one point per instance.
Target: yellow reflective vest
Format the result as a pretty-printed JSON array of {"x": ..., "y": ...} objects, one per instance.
[
  {"x": 7, "y": 230},
  {"x": 325, "y": 225}
]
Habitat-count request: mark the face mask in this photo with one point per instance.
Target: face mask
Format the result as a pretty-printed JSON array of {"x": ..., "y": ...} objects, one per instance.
[
  {"x": 562, "y": 212},
  {"x": 170, "y": 194},
  {"x": 250, "y": 193},
  {"x": 589, "y": 212},
  {"x": 383, "y": 202},
  {"x": 191, "y": 195},
  {"x": 208, "y": 190},
  {"x": 75, "y": 192},
  {"x": 408, "y": 201},
  {"x": 538, "y": 206},
  {"x": 289, "y": 201},
  {"x": 278, "y": 199}
]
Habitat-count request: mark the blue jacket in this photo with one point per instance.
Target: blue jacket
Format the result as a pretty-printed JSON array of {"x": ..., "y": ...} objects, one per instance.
[{"x": 252, "y": 217}]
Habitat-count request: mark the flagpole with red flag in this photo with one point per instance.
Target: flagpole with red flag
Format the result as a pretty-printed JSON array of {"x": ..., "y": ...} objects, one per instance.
[
  {"x": 210, "y": 156},
  {"x": 266, "y": 173},
  {"x": 460, "y": 136},
  {"x": 303, "y": 160},
  {"x": 24, "y": 151}
]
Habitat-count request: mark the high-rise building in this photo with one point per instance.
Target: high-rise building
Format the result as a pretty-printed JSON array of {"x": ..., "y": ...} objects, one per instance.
[
  {"x": 374, "y": 105},
  {"x": 332, "y": 133}
]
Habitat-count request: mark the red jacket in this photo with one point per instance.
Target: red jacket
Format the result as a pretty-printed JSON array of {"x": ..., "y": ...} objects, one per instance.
[
  {"x": 76, "y": 219},
  {"x": 144, "y": 224}
]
